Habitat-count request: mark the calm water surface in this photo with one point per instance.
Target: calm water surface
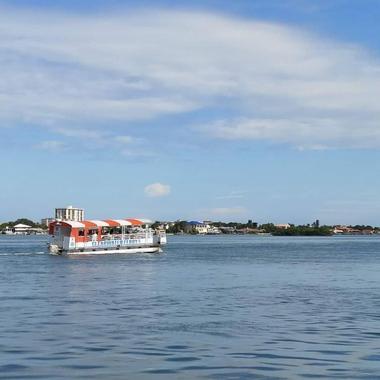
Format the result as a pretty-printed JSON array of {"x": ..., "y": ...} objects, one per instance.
[{"x": 223, "y": 307}]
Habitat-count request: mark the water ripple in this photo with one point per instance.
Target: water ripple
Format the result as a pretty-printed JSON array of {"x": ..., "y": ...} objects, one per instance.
[{"x": 212, "y": 307}]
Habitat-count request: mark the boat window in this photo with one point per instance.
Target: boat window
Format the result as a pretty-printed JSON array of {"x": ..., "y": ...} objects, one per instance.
[
  {"x": 105, "y": 230},
  {"x": 81, "y": 233}
]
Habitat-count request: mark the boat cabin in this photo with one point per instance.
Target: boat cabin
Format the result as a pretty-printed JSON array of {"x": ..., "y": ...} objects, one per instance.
[{"x": 72, "y": 234}]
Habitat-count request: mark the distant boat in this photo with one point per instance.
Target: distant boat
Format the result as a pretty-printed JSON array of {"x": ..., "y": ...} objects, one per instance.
[{"x": 104, "y": 237}]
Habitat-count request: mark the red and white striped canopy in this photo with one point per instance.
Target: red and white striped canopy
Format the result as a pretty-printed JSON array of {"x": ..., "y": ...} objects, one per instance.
[{"x": 107, "y": 223}]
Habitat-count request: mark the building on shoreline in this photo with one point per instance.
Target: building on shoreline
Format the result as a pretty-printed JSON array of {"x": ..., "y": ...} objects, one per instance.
[
  {"x": 196, "y": 226},
  {"x": 284, "y": 226},
  {"x": 202, "y": 228},
  {"x": 21, "y": 229},
  {"x": 69, "y": 213},
  {"x": 349, "y": 230}
]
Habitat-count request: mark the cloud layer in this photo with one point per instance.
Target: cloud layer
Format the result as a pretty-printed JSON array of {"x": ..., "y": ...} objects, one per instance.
[
  {"x": 157, "y": 189},
  {"x": 278, "y": 83}
]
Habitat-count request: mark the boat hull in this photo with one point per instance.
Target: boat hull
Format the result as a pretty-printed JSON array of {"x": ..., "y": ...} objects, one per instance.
[{"x": 108, "y": 251}]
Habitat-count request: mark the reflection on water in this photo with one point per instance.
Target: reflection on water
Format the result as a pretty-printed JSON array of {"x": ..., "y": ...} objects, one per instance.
[{"x": 223, "y": 307}]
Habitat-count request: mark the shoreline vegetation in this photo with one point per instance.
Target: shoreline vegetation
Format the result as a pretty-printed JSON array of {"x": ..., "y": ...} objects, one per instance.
[
  {"x": 215, "y": 228},
  {"x": 182, "y": 227},
  {"x": 24, "y": 221}
]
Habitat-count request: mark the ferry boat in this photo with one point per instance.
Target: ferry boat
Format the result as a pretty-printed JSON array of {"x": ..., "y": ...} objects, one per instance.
[{"x": 104, "y": 237}]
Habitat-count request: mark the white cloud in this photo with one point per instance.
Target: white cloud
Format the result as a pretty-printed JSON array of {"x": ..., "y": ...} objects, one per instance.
[
  {"x": 81, "y": 133},
  {"x": 124, "y": 139},
  {"x": 282, "y": 84},
  {"x": 51, "y": 145},
  {"x": 157, "y": 190},
  {"x": 314, "y": 134}
]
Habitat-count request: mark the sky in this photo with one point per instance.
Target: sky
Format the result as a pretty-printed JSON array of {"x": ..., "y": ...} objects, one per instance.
[{"x": 215, "y": 109}]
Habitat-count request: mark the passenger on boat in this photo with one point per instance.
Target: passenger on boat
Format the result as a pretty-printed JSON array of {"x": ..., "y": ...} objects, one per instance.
[{"x": 94, "y": 236}]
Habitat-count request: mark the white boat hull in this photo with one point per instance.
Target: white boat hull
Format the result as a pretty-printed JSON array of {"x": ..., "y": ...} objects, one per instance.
[{"x": 55, "y": 251}]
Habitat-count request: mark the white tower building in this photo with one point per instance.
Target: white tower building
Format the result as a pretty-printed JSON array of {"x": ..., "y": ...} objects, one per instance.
[{"x": 69, "y": 213}]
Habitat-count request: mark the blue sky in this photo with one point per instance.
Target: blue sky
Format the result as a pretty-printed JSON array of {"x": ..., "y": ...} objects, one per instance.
[{"x": 223, "y": 110}]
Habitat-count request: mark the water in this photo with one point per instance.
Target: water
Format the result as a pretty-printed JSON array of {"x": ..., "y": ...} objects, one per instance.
[{"x": 223, "y": 307}]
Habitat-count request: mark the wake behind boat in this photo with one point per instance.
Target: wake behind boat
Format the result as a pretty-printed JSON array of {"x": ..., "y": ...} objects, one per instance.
[{"x": 104, "y": 237}]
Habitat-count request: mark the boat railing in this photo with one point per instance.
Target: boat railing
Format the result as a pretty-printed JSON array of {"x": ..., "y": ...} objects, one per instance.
[{"x": 138, "y": 235}]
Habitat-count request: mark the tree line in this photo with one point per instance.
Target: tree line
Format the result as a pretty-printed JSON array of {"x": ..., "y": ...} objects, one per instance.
[{"x": 25, "y": 221}]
